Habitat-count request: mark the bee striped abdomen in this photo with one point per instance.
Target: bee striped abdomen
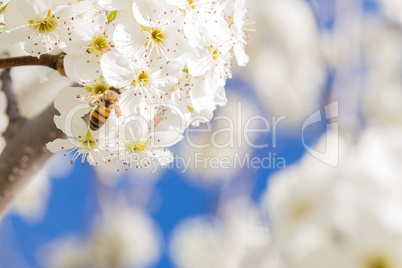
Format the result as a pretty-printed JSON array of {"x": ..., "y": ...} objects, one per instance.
[{"x": 99, "y": 117}]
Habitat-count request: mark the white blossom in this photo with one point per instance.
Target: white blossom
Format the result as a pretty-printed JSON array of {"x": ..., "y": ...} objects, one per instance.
[
  {"x": 169, "y": 59},
  {"x": 43, "y": 25}
]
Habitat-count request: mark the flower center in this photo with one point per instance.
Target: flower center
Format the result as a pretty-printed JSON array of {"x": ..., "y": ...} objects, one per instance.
[
  {"x": 88, "y": 142},
  {"x": 100, "y": 88},
  {"x": 301, "y": 210},
  {"x": 142, "y": 80},
  {"x": 377, "y": 262},
  {"x": 157, "y": 36},
  {"x": 191, "y": 3},
  {"x": 138, "y": 146},
  {"x": 97, "y": 88},
  {"x": 48, "y": 24},
  {"x": 215, "y": 54},
  {"x": 99, "y": 44}
]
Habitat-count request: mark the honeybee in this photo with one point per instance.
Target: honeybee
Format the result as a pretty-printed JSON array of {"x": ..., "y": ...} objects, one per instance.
[{"x": 105, "y": 103}]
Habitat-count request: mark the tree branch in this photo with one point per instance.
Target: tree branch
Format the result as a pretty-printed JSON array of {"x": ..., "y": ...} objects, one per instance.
[
  {"x": 52, "y": 61},
  {"x": 15, "y": 119},
  {"x": 25, "y": 150}
]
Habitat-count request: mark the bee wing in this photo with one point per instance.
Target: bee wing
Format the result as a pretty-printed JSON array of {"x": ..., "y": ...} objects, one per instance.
[{"x": 92, "y": 99}]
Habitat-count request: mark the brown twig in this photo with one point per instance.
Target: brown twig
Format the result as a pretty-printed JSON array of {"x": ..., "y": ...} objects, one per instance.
[
  {"x": 24, "y": 154},
  {"x": 51, "y": 61},
  {"x": 12, "y": 107},
  {"x": 25, "y": 150}
]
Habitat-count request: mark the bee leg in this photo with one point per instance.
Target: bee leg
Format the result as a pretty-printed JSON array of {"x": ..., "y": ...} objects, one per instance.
[{"x": 118, "y": 111}]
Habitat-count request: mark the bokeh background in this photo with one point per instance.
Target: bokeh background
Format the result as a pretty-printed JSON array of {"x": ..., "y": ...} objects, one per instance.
[{"x": 304, "y": 55}]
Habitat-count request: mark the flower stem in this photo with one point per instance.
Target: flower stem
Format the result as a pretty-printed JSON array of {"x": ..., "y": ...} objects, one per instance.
[{"x": 51, "y": 61}]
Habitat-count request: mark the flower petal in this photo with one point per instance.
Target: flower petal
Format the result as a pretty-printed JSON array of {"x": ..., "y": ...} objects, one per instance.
[
  {"x": 33, "y": 9},
  {"x": 117, "y": 69},
  {"x": 67, "y": 98},
  {"x": 59, "y": 144}
]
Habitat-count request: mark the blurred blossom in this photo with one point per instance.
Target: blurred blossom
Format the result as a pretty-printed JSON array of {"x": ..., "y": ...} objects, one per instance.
[
  {"x": 31, "y": 202},
  {"x": 196, "y": 243},
  {"x": 219, "y": 242},
  {"x": 3, "y": 118},
  {"x": 264, "y": 255},
  {"x": 347, "y": 216},
  {"x": 286, "y": 65},
  {"x": 3, "y": 107},
  {"x": 226, "y": 141},
  {"x": 122, "y": 237},
  {"x": 299, "y": 197},
  {"x": 382, "y": 95},
  {"x": 69, "y": 252},
  {"x": 393, "y": 9}
]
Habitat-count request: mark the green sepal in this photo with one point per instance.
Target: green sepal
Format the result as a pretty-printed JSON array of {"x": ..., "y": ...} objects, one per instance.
[
  {"x": 112, "y": 16},
  {"x": 3, "y": 8},
  {"x": 88, "y": 136},
  {"x": 88, "y": 89}
]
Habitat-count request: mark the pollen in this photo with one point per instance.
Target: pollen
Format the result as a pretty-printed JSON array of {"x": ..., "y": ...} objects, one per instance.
[
  {"x": 138, "y": 146},
  {"x": 47, "y": 25},
  {"x": 378, "y": 261},
  {"x": 142, "y": 80},
  {"x": 301, "y": 210},
  {"x": 215, "y": 54},
  {"x": 88, "y": 142},
  {"x": 157, "y": 36},
  {"x": 100, "y": 88},
  {"x": 156, "y": 39},
  {"x": 191, "y": 4},
  {"x": 99, "y": 45}
]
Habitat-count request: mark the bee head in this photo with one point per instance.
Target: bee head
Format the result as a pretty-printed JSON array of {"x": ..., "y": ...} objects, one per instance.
[
  {"x": 112, "y": 93},
  {"x": 115, "y": 89}
]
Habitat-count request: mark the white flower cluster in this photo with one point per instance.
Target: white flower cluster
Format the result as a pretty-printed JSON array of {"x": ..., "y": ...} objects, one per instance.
[{"x": 155, "y": 66}]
